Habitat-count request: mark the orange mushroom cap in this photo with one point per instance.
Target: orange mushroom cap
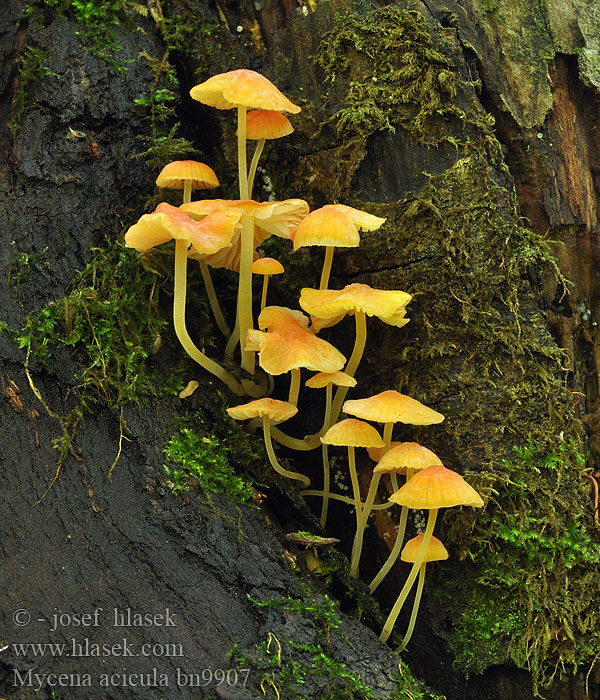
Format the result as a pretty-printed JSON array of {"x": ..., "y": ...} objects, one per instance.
[
  {"x": 406, "y": 455},
  {"x": 392, "y": 407},
  {"x": 329, "y": 306},
  {"x": 277, "y": 411},
  {"x": 214, "y": 233},
  {"x": 335, "y": 225},
  {"x": 435, "y": 551},
  {"x": 322, "y": 379},
  {"x": 436, "y": 487},
  {"x": 242, "y": 87},
  {"x": 265, "y": 124},
  {"x": 267, "y": 266},
  {"x": 174, "y": 175},
  {"x": 290, "y": 344},
  {"x": 353, "y": 433}
]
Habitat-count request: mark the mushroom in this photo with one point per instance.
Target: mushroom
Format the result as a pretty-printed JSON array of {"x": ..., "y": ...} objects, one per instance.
[
  {"x": 334, "y": 226},
  {"x": 353, "y": 433},
  {"x": 242, "y": 89},
  {"x": 405, "y": 458},
  {"x": 435, "y": 552},
  {"x": 213, "y": 233},
  {"x": 327, "y": 307},
  {"x": 327, "y": 380},
  {"x": 266, "y": 267},
  {"x": 188, "y": 175},
  {"x": 263, "y": 124},
  {"x": 270, "y": 410},
  {"x": 388, "y": 407},
  {"x": 430, "y": 489}
]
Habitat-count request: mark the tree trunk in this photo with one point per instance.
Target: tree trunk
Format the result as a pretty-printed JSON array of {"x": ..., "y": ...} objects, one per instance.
[{"x": 143, "y": 525}]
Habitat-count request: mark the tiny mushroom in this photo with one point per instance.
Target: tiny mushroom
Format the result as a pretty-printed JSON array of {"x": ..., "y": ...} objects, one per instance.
[
  {"x": 266, "y": 267},
  {"x": 270, "y": 410},
  {"x": 430, "y": 489},
  {"x": 435, "y": 552}
]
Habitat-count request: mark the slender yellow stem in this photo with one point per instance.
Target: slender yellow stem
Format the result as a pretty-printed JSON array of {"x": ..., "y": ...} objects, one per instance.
[
  {"x": 415, "y": 608},
  {"x": 304, "y": 480},
  {"x": 245, "y": 291},
  {"x": 213, "y": 301},
  {"x": 325, "y": 455},
  {"x": 194, "y": 352},
  {"x": 187, "y": 191},
  {"x": 355, "y": 486},
  {"x": 359, "y": 346},
  {"x": 233, "y": 341},
  {"x": 339, "y": 497},
  {"x": 255, "y": 158},
  {"x": 395, "y": 611},
  {"x": 263, "y": 298},
  {"x": 362, "y": 524},
  {"x": 310, "y": 442},
  {"x": 294, "y": 386},
  {"x": 241, "y": 144},
  {"x": 325, "y": 272}
]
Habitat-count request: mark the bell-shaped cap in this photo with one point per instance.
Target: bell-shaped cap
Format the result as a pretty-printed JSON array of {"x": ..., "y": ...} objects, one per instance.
[
  {"x": 208, "y": 236},
  {"x": 174, "y": 175},
  {"x": 392, "y": 407},
  {"x": 265, "y": 124},
  {"x": 353, "y": 433},
  {"x": 323, "y": 379},
  {"x": 406, "y": 455},
  {"x": 242, "y": 87},
  {"x": 435, "y": 551},
  {"x": 335, "y": 225},
  {"x": 328, "y": 306},
  {"x": 290, "y": 344},
  {"x": 267, "y": 266},
  {"x": 436, "y": 487},
  {"x": 275, "y": 410}
]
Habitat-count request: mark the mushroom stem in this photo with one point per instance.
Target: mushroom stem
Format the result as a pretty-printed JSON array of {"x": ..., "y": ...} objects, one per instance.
[
  {"x": 395, "y": 611},
  {"x": 395, "y": 551},
  {"x": 241, "y": 144},
  {"x": 245, "y": 291},
  {"x": 213, "y": 301},
  {"x": 181, "y": 248},
  {"x": 255, "y": 158},
  {"x": 357, "y": 352},
  {"x": 294, "y": 386},
  {"x": 187, "y": 191},
  {"x": 305, "y": 481},
  {"x": 345, "y": 499},
  {"x": 310, "y": 442},
  {"x": 233, "y": 341},
  {"x": 355, "y": 486},
  {"x": 325, "y": 455},
  {"x": 263, "y": 298},
  {"x": 415, "y": 608},
  {"x": 326, "y": 267},
  {"x": 362, "y": 524}
]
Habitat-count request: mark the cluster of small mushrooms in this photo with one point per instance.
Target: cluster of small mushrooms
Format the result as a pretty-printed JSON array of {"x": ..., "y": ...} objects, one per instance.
[{"x": 227, "y": 234}]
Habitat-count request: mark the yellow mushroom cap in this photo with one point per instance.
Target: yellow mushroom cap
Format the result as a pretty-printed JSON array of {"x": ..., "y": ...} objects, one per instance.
[
  {"x": 436, "y": 487},
  {"x": 174, "y": 175},
  {"x": 335, "y": 225},
  {"x": 328, "y": 306},
  {"x": 392, "y": 407},
  {"x": 435, "y": 551},
  {"x": 277, "y": 411},
  {"x": 208, "y": 236},
  {"x": 406, "y": 455},
  {"x": 267, "y": 266},
  {"x": 290, "y": 344},
  {"x": 265, "y": 124},
  {"x": 242, "y": 87},
  {"x": 322, "y": 379},
  {"x": 353, "y": 433},
  {"x": 376, "y": 453}
]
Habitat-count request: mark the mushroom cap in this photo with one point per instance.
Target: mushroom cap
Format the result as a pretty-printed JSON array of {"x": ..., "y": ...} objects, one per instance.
[
  {"x": 322, "y": 379},
  {"x": 270, "y": 218},
  {"x": 266, "y": 124},
  {"x": 406, "y": 455},
  {"x": 392, "y": 407},
  {"x": 329, "y": 306},
  {"x": 174, "y": 175},
  {"x": 242, "y": 87},
  {"x": 435, "y": 551},
  {"x": 267, "y": 266},
  {"x": 353, "y": 433},
  {"x": 277, "y": 411},
  {"x": 436, "y": 487},
  {"x": 335, "y": 225},
  {"x": 290, "y": 344},
  {"x": 208, "y": 236},
  {"x": 376, "y": 453}
]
